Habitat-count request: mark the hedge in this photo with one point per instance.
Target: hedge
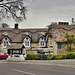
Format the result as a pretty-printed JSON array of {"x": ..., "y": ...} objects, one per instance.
[
  {"x": 69, "y": 55},
  {"x": 36, "y": 57}
]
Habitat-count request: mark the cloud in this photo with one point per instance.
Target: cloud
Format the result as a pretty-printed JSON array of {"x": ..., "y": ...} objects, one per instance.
[
  {"x": 42, "y": 12},
  {"x": 41, "y": 5}
]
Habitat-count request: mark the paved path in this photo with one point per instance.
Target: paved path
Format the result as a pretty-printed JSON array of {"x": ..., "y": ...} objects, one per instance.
[{"x": 62, "y": 63}]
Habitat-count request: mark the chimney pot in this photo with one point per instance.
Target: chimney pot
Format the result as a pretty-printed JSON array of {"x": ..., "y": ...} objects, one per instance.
[
  {"x": 16, "y": 26},
  {"x": 63, "y": 23}
]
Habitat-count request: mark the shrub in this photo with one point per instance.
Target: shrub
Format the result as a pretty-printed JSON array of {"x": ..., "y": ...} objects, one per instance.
[
  {"x": 59, "y": 57},
  {"x": 69, "y": 55},
  {"x": 31, "y": 56},
  {"x": 73, "y": 55},
  {"x": 41, "y": 57},
  {"x": 52, "y": 57},
  {"x": 48, "y": 57},
  {"x": 63, "y": 56},
  {"x": 70, "y": 48},
  {"x": 36, "y": 57}
]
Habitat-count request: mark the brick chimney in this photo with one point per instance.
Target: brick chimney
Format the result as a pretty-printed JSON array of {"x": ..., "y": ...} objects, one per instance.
[{"x": 16, "y": 26}]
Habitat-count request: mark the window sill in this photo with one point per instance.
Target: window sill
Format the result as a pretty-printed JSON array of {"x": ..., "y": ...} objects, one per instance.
[
  {"x": 27, "y": 47},
  {"x": 51, "y": 46},
  {"x": 42, "y": 46},
  {"x": 3, "y": 47}
]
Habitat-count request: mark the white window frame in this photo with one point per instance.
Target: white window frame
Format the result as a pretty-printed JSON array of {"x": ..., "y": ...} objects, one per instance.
[
  {"x": 5, "y": 42},
  {"x": 42, "y": 40},
  {"x": 50, "y": 42},
  {"x": 27, "y": 40}
]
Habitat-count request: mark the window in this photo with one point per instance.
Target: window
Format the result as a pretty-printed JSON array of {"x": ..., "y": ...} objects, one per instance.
[
  {"x": 50, "y": 42},
  {"x": 42, "y": 42},
  {"x": 5, "y": 42},
  {"x": 27, "y": 42},
  {"x": 59, "y": 46}
]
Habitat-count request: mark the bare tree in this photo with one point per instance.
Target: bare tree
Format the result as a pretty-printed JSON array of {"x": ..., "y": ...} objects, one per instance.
[
  {"x": 4, "y": 25},
  {"x": 73, "y": 22},
  {"x": 15, "y": 9}
]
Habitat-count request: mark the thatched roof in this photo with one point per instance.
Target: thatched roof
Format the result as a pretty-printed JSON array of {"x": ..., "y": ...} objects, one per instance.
[
  {"x": 58, "y": 31},
  {"x": 17, "y": 35}
]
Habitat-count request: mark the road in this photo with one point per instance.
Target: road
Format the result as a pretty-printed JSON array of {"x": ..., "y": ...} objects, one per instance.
[{"x": 33, "y": 69}]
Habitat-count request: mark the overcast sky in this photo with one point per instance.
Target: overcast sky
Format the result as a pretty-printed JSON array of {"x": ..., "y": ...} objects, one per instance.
[{"x": 42, "y": 12}]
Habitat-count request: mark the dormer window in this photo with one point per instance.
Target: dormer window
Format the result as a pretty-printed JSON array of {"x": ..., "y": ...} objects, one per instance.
[
  {"x": 5, "y": 42},
  {"x": 50, "y": 42},
  {"x": 42, "y": 42},
  {"x": 27, "y": 41}
]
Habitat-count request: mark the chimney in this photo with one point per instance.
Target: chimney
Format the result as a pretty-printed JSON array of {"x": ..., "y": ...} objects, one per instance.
[
  {"x": 16, "y": 26},
  {"x": 63, "y": 23}
]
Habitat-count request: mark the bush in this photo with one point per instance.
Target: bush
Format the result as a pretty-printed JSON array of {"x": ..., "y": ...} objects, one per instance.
[
  {"x": 63, "y": 56},
  {"x": 48, "y": 57},
  {"x": 36, "y": 57},
  {"x": 70, "y": 49},
  {"x": 31, "y": 56},
  {"x": 41, "y": 57},
  {"x": 52, "y": 57},
  {"x": 59, "y": 57},
  {"x": 69, "y": 55}
]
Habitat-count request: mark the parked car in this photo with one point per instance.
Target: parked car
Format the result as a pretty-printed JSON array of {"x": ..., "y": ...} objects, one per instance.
[{"x": 3, "y": 55}]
